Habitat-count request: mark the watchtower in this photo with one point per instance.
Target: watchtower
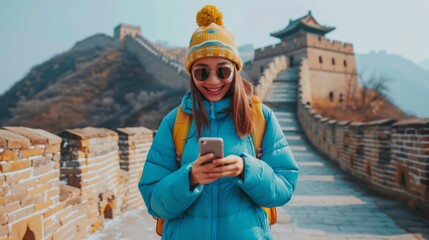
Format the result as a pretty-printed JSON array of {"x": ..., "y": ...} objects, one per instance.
[
  {"x": 332, "y": 63},
  {"x": 123, "y": 30}
]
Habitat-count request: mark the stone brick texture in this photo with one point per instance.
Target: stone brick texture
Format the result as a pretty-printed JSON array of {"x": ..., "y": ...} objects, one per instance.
[{"x": 64, "y": 187}]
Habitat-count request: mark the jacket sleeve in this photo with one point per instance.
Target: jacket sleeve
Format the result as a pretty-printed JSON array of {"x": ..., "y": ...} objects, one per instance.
[
  {"x": 270, "y": 182},
  {"x": 165, "y": 187}
]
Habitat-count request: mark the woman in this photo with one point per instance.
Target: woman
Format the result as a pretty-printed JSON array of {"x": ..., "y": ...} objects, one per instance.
[{"x": 221, "y": 199}]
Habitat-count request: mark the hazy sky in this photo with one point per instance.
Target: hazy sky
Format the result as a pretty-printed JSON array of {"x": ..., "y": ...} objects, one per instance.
[{"x": 34, "y": 31}]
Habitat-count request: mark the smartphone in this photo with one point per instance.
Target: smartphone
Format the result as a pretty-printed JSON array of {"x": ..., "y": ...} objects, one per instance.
[{"x": 211, "y": 145}]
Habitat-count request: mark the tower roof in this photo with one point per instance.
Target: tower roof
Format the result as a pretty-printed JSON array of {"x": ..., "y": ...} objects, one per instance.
[{"x": 307, "y": 24}]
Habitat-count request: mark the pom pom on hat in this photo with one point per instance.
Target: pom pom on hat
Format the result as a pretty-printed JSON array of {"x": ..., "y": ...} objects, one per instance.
[
  {"x": 211, "y": 39},
  {"x": 209, "y": 14}
]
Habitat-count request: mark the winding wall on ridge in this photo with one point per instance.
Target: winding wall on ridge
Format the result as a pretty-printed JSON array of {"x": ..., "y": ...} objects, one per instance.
[
  {"x": 392, "y": 157},
  {"x": 163, "y": 69}
]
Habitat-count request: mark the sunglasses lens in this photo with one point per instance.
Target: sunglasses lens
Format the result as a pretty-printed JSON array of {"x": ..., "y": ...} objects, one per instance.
[
  {"x": 223, "y": 73},
  {"x": 201, "y": 74}
]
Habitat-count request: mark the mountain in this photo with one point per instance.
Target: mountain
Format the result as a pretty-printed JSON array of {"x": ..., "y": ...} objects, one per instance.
[
  {"x": 96, "y": 83},
  {"x": 409, "y": 88},
  {"x": 424, "y": 64}
]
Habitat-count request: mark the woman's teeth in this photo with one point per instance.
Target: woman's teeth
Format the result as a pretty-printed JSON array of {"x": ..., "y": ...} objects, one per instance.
[{"x": 213, "y": 89}]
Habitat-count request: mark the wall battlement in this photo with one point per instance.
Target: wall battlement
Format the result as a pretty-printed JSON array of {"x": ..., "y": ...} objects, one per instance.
[
  {"x": 392, "y": 157},
  {"x": 301, "y": 41},
  {"x": 64, "y": 187}
]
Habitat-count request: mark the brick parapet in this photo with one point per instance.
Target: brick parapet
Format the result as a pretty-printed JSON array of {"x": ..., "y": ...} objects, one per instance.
[
  {"x": 134, "y": 144},
  {"x": 390, "y": 156},
  {"x": 303, "y": 41},
  {"x": 410, "y": 156},
  {"x": 90, "y": 162},
  {"x": 29, "y": 186},
  {"x": 94, "y": 185},
  {"x": 273, "y": 68}
]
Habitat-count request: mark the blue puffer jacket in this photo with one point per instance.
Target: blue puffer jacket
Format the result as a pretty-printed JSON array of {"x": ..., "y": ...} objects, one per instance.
[{"x": 228, "y": 208}]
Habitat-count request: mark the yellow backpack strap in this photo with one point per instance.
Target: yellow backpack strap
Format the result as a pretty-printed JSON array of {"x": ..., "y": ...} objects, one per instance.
[
  {"x": 180, "y": 132},
  {"x": 258, "y": 131},
  {"x": 258, "y": 124}
]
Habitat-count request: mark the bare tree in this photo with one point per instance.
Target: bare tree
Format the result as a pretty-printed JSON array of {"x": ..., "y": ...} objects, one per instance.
[{"x": 372, "y": 93}]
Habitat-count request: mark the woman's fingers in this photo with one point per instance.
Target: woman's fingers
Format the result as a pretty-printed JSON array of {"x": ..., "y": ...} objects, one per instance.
[
  {"x": 204, "y": 158},
  {"x": 229, "y": 166},
  {"x": 206, "y": 173}
]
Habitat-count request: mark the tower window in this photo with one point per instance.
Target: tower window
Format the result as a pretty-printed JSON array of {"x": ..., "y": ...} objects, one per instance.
[
  {"x": 320, "y": 59},
  {"x": 333, "y": 61},
  {"x": 345, "y": 63}
]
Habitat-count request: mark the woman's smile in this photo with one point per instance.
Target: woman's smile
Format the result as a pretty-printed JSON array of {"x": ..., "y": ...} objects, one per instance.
[{"x": 212, "y": 87}]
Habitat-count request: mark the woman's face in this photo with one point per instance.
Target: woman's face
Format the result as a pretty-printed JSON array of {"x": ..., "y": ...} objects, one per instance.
[{"x": 213, "y": 77}]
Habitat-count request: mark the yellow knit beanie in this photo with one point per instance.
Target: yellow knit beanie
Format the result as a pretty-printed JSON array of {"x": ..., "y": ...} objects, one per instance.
[{"x": 211, "y": 39}]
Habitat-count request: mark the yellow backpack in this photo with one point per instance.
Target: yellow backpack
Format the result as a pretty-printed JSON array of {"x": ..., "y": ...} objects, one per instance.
[{"x": 180, "y": 132}]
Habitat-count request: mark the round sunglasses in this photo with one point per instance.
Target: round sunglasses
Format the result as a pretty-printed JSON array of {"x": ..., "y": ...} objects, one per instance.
[{"x": 222, "y": 73}]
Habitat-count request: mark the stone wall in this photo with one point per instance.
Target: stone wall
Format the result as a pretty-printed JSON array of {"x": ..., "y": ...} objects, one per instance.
[
  {"x": 90, "y": 162},
  {"x": 303, "y": 41},
  {"x": 392, "y": 157},
  {"x": 332, "y": 45},
  {"x": 277, "y": 65},
  {"x": 284, "y": 47},
  {"x": 123, "y": 30},
  {"x": 64, "y": 188},
  {"x": 323, "y": 82},
  {"x": 254, "y": 69},
  {"x": 134, "y": 144},
  {"x": 164, "y": 69},
  {"x": 29, "y": 182}
]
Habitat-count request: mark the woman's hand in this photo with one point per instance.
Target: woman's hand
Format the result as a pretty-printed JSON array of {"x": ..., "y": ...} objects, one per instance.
[
  {"x": 230, "y": 166},
  {"x": 201, "y": 173},
  {"x": 198, "y": 174}
]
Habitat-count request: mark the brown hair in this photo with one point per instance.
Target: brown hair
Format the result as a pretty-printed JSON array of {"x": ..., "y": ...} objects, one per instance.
[{"x": 241, "y": 90}]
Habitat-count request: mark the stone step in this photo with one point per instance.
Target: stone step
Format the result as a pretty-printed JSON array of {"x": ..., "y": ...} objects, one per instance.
[
  {"x": 298, "y": 148},
  {"x": 291, "y": 129},
  {"x": 287, "y": 101},
  {"x": 281, "y": 89},
  {"x": 281, "y": 105},
  {"x": 285, "y": 120},
  {"x": 279, "y": 83},
  {"x": 281, "y": 96},
  {"x": 293, "y": 138}
]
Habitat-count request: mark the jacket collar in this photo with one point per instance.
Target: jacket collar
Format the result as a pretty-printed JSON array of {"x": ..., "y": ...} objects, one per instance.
[{"x": 220, "y": 108}]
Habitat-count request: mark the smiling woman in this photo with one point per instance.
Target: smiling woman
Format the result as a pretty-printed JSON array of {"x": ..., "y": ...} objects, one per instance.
[
  {"x": 220, "y": 199},
  {"x": 212, "y": 77}
]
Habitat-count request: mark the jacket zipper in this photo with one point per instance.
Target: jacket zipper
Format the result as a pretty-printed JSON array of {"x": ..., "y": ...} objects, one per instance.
[{"x": 213, "y": 133}]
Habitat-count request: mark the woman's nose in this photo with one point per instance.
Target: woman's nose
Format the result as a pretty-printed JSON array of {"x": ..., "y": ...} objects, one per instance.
[{"x": 212, "y": 78}]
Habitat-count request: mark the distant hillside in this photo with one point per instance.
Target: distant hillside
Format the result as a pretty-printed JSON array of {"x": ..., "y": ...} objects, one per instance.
[
  {"x": 178, "y": 52},
  {"x": 409, "y": 88},
  {"x": 94, "y": 84}
]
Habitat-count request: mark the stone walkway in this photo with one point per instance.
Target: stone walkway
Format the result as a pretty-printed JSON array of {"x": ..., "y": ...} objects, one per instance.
[{"x": 327, "y": 204}]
